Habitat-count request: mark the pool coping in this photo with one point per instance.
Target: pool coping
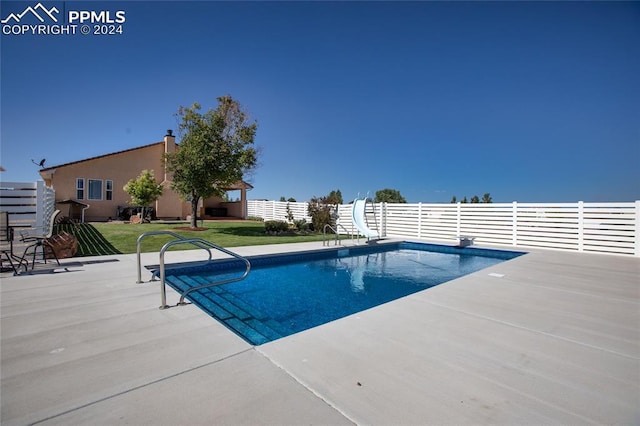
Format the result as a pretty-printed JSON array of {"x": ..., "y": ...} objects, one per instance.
[
  {"x": 259, "y": 260},
  {"x": 90, "y": 346}
]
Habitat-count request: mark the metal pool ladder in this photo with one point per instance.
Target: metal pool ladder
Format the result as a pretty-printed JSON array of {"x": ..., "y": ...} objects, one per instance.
[
  {"x": 198, "y": 242},
  {"x": 335, "y": 231}
]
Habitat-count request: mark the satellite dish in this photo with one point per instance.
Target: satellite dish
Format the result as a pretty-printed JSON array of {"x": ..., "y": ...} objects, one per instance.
[{"x": 41, "y": 163}]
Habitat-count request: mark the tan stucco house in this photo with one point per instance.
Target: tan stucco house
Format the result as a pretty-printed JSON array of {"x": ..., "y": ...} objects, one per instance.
[{"x": 91, "y": 189}]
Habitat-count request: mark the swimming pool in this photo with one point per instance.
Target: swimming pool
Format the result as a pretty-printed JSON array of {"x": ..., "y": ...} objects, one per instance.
[{"x": 286, "y": 294}]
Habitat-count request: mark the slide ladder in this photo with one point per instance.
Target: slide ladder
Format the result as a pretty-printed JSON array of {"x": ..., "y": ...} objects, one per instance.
[{"x": 359, "y": 216}]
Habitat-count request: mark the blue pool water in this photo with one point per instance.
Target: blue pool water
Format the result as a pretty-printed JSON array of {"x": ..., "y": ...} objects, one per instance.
[{"x": 287, "y": 294}]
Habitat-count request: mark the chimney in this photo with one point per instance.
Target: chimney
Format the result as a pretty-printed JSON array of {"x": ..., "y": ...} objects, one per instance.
[
  {"x": 169, "y": 142},
  {"x": 169, "y": 148}
]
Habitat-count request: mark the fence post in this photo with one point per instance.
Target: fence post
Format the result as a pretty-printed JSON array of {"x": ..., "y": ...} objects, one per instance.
[
  {"x": 637, "y": 233},
  {"x": 514, "y": 217},
  {"x": 580, "y": 225},
  {"x": 419, "y": 220},
  {"x": 382, "y": 217},
  {"x": 40, "y": 204}
]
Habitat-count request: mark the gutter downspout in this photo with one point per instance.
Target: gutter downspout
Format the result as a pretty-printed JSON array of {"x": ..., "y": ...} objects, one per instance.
[{"x": 83, "y": 209}]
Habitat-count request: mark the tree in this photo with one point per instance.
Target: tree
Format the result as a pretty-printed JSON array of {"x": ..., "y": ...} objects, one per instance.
[
  {"x": 486, "y": 198},
  {"x": 320, "y": 209},
  {"x": 335, "y": 197},
  {"x": 215, "y": 151},
  {"x": 389, "y": 196},
  {"x": 144, "y": 190},
  {"x": 290, "y": 218}
]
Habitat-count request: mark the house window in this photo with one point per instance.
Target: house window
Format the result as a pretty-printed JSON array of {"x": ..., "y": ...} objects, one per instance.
[
  {"x": 80, "y": 189},
  {"x": 108, "y": 195},
  {"x": 95, "y": 189}
]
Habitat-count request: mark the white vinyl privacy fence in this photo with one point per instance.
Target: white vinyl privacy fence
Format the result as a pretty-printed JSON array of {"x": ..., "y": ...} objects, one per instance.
[
  {"x": 277, "y": 210},
  {"x": 29, "y": 204},
  {"x": 585, "y": 227},
  {"x": 595, "y": 227}
]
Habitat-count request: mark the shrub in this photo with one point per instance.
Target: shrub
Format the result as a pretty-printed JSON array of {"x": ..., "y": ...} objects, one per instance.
[
  {"x": 320, "y": 211},
  {"x": 255, "y": 218},
  {"x": 301, "y": 225},
  {"x": 274, "y": 227}
]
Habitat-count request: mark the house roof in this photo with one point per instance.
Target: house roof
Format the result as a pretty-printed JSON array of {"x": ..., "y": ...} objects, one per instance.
[
  {"x": 235, "y": 186},
  {"x": 101, "y": 156},
  {"x": 72, "y": 202},
  {"x": 239, "y": 185}
]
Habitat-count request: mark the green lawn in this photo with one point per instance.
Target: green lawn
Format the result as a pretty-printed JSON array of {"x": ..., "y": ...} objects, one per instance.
[{"x": 112, "y": 238}]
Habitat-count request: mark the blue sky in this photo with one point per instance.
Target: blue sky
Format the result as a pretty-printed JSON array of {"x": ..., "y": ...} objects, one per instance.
[{"x": 529, "y": 101}]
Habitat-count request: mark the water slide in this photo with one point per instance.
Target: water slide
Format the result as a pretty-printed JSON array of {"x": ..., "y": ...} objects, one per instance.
[{"x": 360, "y": 221}]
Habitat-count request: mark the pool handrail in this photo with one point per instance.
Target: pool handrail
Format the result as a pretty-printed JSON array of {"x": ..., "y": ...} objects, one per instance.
[
  {"x": 173, "y": 234},
  {"x": 324, "y": 233},
  {"x": 198, "y": 242}
]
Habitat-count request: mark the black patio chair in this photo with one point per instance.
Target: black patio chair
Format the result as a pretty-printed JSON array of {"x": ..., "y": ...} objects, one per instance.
[{"x": 6, "y": 244}]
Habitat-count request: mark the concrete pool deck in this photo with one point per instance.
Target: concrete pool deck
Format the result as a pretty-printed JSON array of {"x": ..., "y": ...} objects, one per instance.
[{"x": 547, "y": 338}]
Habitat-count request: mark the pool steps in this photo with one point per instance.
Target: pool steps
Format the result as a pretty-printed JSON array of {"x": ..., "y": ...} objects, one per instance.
[{"x": 228, "y": 309}]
